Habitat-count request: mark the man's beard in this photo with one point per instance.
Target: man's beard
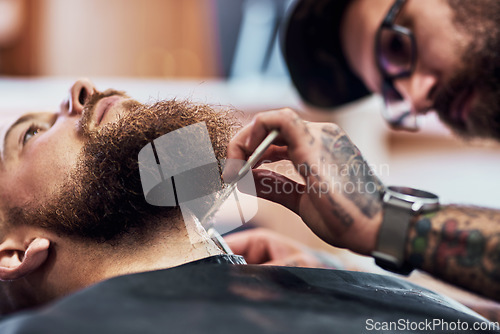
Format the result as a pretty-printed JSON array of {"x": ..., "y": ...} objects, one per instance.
[
  {"x": 103, "y": 198},
  {"x": 480, "y": 71}
]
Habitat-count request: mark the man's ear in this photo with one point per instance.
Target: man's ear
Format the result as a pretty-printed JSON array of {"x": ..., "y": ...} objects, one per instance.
[{"x": 18, "y": 258}]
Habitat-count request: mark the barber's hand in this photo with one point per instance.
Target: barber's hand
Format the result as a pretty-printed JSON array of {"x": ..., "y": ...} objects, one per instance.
[
  {"x": 340, "y": 197},
  {"x": 263, "y": 246}
]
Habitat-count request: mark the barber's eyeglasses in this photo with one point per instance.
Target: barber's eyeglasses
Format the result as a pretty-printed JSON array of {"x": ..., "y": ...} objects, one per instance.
[{"x": 395, "y": 52}]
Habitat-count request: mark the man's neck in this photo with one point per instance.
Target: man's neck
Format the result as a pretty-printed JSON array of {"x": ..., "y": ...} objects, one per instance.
[{"x": 81, "y": 265}]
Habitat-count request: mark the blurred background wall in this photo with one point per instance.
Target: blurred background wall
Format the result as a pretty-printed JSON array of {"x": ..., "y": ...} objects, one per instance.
[
  {"x": 134, "y": 38},
  {"x": 140, "y": 38}
]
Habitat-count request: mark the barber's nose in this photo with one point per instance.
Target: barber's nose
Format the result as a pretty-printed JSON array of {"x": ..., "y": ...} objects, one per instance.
[
  {"x": 419, "y": 89},
  {"x": 78, "y": 94}
]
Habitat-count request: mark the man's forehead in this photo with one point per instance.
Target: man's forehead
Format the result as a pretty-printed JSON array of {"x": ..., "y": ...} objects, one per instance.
[
  {"x": 8, "y": 121},
  {"x": 6, "y": 124}
]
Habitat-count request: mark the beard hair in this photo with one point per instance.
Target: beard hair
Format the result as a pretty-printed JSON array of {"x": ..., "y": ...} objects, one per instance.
[
  {"x": 103, "y": 200},
  {"x": 483, "y": 120},
  {"x": 481, "y": 70}
]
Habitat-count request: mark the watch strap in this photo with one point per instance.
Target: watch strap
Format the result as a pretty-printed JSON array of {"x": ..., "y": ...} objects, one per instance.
[
  {"x": 391, "y": 242},
  {"x": 401, "y": 205}
]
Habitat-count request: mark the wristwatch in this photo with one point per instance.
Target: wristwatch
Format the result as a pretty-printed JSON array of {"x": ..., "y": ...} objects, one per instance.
[{"x": 400, "y": 205}]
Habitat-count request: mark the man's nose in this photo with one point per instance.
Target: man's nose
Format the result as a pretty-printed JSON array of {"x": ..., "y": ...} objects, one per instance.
[
  {"x": 419, "y": 89},
  {"x": 78, "y": 94}
]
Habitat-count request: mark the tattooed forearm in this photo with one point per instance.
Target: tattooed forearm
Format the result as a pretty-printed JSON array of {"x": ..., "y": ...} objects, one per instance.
[
  {"x": 359, "y": 183},
  {"x": 460, "y": 245}
]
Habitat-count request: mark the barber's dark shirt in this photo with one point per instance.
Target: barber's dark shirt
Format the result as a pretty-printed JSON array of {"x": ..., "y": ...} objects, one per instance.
[{"x": 216, "y": 295}]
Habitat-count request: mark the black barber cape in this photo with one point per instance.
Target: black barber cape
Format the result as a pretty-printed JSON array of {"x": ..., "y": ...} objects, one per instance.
[{"x": 216, "y": 295}]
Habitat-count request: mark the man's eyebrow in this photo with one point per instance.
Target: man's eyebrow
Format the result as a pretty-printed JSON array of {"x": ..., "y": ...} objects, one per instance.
[{"x": 20, "y": 120}]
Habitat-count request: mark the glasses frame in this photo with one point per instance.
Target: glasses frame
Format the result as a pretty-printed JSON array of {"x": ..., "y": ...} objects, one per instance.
[{"x": 387, "y": 78}]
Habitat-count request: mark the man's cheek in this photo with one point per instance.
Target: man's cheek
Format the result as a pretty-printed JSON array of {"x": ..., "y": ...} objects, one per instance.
[{"x": 48, "y": 170}]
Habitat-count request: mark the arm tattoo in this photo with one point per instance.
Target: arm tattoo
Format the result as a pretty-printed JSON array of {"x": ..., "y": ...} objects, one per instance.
[
  {"x": 460, "y": 245},
  {"x": 358, "y": 182}
]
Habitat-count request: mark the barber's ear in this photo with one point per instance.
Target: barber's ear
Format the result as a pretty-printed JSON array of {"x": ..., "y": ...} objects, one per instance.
[{"x": 18, "y": 258}]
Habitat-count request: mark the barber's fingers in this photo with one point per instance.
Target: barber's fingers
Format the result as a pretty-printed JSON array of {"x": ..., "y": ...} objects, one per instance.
[
  {"x": 276, "y": 188},
  {"x": 236, "y": 149},
  {"x": 292, "y": 131},
  {"x": 263, "y": 246},
  {"x": 273, "y": 154},
  {"x": 254, "y": 245},
  {"x": 237, "y": 154},
  {"x": 290, "y": 126},
  {"x": 238, "y": 242}
]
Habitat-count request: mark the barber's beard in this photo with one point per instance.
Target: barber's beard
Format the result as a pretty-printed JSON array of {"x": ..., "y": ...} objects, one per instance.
[
  {"x": 483, "y": 120},
  {"x": 481, "y": 70},
  {"x": 103, "y": 199}
]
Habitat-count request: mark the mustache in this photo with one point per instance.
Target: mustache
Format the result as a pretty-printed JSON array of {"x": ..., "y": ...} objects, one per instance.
[{"x": 89, "y": 107}]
